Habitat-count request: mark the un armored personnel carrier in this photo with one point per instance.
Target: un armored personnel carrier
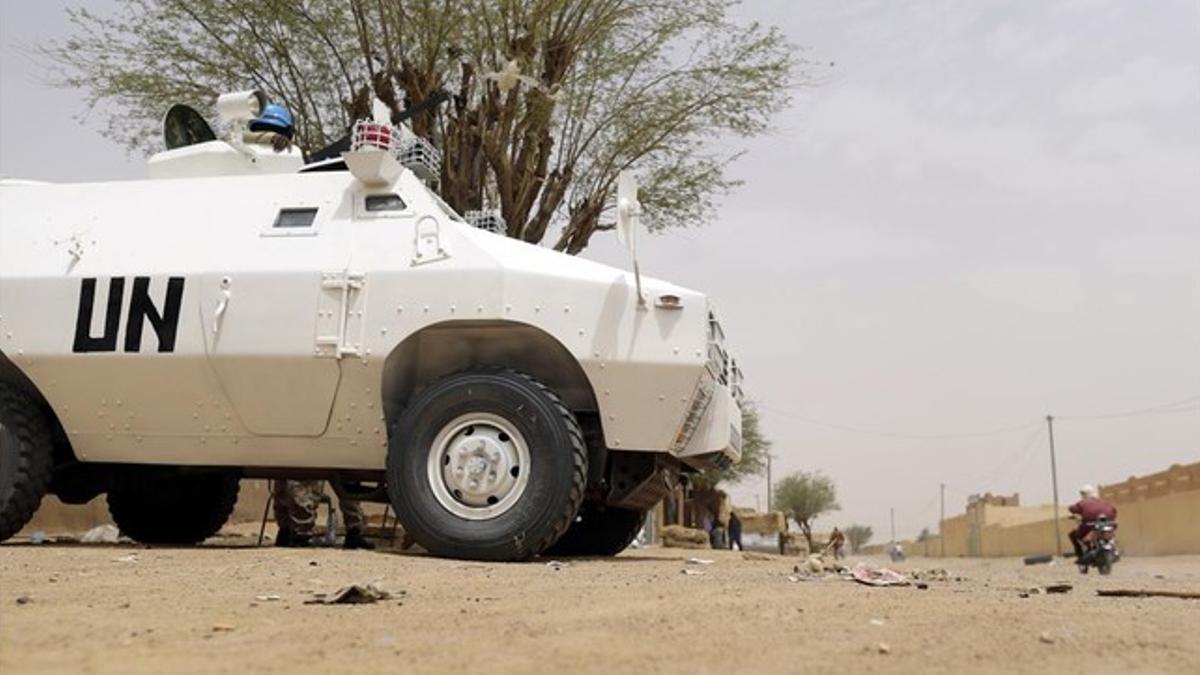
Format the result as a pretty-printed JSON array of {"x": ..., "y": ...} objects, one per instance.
[{"x": 243, "y": 314}]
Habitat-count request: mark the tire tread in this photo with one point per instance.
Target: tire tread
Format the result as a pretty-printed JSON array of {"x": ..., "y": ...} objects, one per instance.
[{"x": 34, "y": 458}]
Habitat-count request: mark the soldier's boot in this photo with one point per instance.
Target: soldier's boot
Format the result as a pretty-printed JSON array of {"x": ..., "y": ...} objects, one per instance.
[
  {"x": 286, "y": 538},
  {"x": 356, "y": 540}
]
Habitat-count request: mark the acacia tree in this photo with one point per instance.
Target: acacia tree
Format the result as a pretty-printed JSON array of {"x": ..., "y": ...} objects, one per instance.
[
  {"x": 858, "y": 536},
  {"x": 805, "y": 496},
  {"x": 753, "y": 462},
  {"x": 550, "y": 99}
]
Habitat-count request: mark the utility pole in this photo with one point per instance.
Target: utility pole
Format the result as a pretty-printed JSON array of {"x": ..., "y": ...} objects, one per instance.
[
  {"x": 769, "y": 486},
  {"x": 942, "y": 522},
  {"x": 1054, "y": 481},
  {"x": 892, "y": 510}
]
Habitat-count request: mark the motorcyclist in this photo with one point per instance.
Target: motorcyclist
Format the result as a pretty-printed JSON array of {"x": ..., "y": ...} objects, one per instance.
[{"x": 1089, "y": 509}]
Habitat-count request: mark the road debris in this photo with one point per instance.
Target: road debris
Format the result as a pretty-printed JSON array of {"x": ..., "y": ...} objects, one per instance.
[
  {"x": 876, "y": 622},
  {"x": 760, "y": 557},
  {"x": 692, "y": 573},
  {"x": 699, "y": 561},
  {"x": 24, "y": 599},
  {"x": 1048, "y": 589},
  {"x": 1120, "y": 593},
  {"x": 131, "y": 558},
  {"x": 1038, "y": 559},
  {"x": 222, "y": 627},
  {"x": 557, "y": 565},
  {"x": 678, "y": 536},
  {"x": 38, "y": 537},
  {"x": 884, "y": 648},
  {"x": 102, "y": 534},
  {"x": 1046, "y": 637},
  {"x": 355, "y": 594},
  {"x": 936, "y": 574},
  {"x": 267, "y": 598},
  {"x": 878, "y": 576}
]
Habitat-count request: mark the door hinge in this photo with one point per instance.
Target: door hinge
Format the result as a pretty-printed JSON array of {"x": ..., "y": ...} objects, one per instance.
[{"x": 339, "y": 315}]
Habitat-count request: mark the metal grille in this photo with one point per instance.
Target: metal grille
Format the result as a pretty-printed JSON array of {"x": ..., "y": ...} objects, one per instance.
[
  {"x": 487, "y": 219},
  {"x": 419, "y": 156},
  {"x": 413, "y": 152}
]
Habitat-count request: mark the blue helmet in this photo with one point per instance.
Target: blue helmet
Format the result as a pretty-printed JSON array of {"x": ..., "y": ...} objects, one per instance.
[{"x": 274, "y": 117}]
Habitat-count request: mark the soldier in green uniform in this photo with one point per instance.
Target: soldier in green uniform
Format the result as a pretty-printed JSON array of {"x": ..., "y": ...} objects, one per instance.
[{"x": 296, "y": 514}]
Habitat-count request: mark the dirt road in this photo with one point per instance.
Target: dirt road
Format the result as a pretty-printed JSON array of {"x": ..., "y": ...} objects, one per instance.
[{"x": 107, "y": 608}]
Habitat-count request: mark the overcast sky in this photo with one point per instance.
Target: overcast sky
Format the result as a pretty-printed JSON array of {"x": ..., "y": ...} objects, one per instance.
[{"x": 989, "y": 212}]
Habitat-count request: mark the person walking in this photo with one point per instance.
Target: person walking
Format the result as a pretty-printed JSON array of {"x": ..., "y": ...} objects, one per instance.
[{"x": 735, "y": 531}]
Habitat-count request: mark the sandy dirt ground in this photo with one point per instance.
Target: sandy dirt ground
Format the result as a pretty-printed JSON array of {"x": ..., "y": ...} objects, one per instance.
[{"x": 128, "y": 608}]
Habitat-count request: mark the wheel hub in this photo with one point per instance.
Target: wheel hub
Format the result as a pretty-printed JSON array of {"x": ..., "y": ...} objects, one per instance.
[{"x": 478, "y": 466}]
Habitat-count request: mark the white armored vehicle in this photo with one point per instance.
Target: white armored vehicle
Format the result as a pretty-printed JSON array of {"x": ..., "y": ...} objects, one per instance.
[{"x": 241, "y": 314}]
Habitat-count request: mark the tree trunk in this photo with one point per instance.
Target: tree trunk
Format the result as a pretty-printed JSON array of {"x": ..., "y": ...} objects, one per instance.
[{"x": 806, "y": 530}]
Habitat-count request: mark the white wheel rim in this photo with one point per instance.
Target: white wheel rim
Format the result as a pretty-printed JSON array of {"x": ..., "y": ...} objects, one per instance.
[{"x": 478, "y": 466}]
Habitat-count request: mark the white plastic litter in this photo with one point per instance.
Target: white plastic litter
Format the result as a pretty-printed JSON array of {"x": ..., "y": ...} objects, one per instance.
[{"x": 101, "y": 534}]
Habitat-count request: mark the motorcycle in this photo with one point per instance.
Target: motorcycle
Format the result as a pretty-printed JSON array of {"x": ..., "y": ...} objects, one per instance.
[{"x": 1100, "y": 547}]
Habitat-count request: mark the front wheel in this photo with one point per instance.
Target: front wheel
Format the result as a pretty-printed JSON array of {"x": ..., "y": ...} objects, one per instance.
[
  {"x": 1104, "y": 561},
  {"x": 178, "y": 509},
  {"x": 486, "y": 464},
  {"x": 600, "y": 532}
]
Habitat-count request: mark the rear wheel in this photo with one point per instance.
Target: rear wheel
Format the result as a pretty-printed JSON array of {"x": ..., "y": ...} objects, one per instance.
[
  {"x": 179, "y": 509},
  {"x": 486, "y": 464},
  {"x": 599, "y": 532},
  {"x": 26, "y": 459}
]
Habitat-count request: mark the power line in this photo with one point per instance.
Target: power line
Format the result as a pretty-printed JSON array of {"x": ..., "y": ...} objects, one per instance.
[
  {"x": 898, "y": 434},
  {"x": 1188, "y": 404},
  {"x": 1161, "y": 409}
]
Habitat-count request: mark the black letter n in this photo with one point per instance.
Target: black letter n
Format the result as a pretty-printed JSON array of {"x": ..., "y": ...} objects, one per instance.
[
  {"x": 84, "y": 342},
  {"x": 141, "y": 308}
]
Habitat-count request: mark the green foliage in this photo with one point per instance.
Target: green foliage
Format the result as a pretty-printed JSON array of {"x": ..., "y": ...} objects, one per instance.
[
  {"x": 804, "y": 496},
  {"x": 604, "y": 85},
  {"x": 755, "y": 447},
  {"x": 858, "y": 536}
]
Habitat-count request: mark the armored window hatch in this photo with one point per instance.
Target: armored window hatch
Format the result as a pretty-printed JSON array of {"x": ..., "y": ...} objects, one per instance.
[
  {"x": 384, "y": 203},
  {"x": 295, "y": 218}
]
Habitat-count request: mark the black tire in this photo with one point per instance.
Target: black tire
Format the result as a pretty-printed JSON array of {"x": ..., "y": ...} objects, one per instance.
[
  {"x": 599, "y": 532},
  {"x": 1104, "y": 561},
  {"x": 26, "y": 459},
  {"x": 553, "y": 490},
  {"x": 182, "y": 510}
]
